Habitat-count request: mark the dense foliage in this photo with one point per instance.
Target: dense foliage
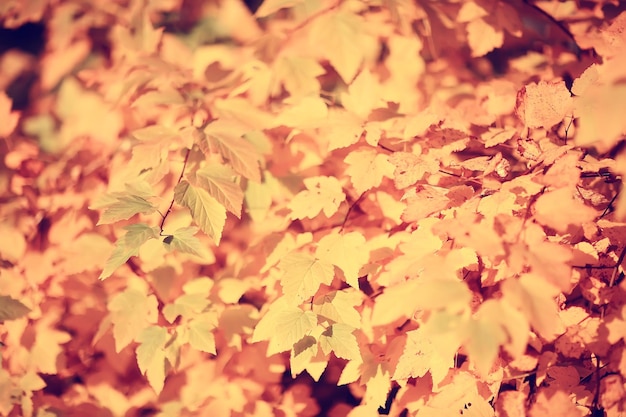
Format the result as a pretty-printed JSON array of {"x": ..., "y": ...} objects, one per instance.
[{"x": 318, "y": 207}]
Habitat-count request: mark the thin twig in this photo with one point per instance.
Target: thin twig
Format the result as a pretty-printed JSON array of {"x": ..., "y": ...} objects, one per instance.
[{"x": 180, "y": 178}]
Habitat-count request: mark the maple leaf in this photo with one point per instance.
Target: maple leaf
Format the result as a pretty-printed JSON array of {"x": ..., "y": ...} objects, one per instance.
[
  {"x": 205, "y": 210},
  {"x": 303, "y": 275},
  {"x": 366, "y": 169},
  {"x": 219, "y": 181},
  {"x": 346, "y": 251},
  {"x": 544, "y": 104},
  {"x": 187, "y": 306},
  {"x": 322, "y": 194},
  {"x": 283, "y": 325},
  {"x": 11, "y": 309},
  {"x": 183, "y": 240},
  {"x": 131, "y": 311},
  {"x": 151, "y": 355},
  {"x": 128, "y": 245},
  {"x": 339, "y": 338}
]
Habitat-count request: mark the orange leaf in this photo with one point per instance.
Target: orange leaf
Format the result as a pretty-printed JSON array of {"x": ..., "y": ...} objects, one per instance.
[{"x": 544, "y": 104}]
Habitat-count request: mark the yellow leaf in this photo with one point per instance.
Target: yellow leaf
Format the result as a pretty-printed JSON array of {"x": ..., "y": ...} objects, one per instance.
[
  {"x": 342, "y": 39},
  {"x": 221, "y": 183},
  {"x": 151, "y": 355},
  {"x": 201, "y": 335},
  {"x": 367, "y": 167},
  {"x": 301, "y": 355},
  {"x": 339, "y": 307},
  {"x": 131, "y": 312},
  {"x": 303, "y": 275},
  {"x": 127, "y": 246},
  {"x": 283, "y": 325},
  {"x": 298, "y": 75},
  {"x": 339, "y": 338},
  {"x": 416, "y": 358},
  {"x": 321, "y": 194},
  {"x": 535, "y": 298},
  {"x": 346, "y": 251},
  {"x": 205, "y": 210},
  {"x": 225, "y": 136}
]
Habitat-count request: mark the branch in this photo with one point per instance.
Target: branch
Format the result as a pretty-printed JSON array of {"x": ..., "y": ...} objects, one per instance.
[{"x": 180, "y": 178}]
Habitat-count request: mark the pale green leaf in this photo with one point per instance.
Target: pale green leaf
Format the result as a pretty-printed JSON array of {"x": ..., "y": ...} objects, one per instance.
[
  {"x": 151, "y": 355},
  {"x": 237, "y": 151},
  {"x": 201, "y": 336},
  {"x": 283, "y": 325},
  {"x": 339, "y": 307},
  {"x": 272, "y": 6},
  {"x": 220, "y": 182},
  {"x": 346, "y": 251},
  {"x": 128, "y": 245},
  {"x": 11, "y": 309},
  {"x": 340, "y": 339},
  {"x": 154, "y": 133},
  {"x": 302, "y": 276},
  {"x": 183, "y": 240},
  {"x": 126, "y": 207},
  {"x": 187, "y": 306},
  {"x": 131, "y": 312},
  {"x": 206, "y": 211}
]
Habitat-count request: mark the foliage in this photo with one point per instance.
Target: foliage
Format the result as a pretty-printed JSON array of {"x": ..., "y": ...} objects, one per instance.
[{"x": 324, "y": 207}]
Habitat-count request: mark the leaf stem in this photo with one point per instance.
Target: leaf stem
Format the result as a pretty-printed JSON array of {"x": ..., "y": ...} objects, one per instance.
[{"x": 180, "y": 178}]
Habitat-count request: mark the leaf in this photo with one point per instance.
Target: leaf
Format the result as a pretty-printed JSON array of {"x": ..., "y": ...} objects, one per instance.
[
  {"x": 205, "y": 210},
  {"x": 269, "y": 7},
  {"x": 544, "y": 104},
  {"x": 186, "y": 306},
  {"x": 321, "y": 194},
  {"x": 220, "y": 182},
  {"x": 183, "y": 240},
  {"x": 410, "y": 168},
  {"x": 341, "y": 37},
  {"x": 151, "y": 355},
  {"x": 11, "y": 309},
  {"x": 346, "y": 251},
  {"x": 339, "y": 307},
  {"x": 559, "y": 209},
  {"x": 126, "y": 207},
  {"x": 131, "y": 312},
  {"x": 339, "y": 338},
  {"x": 403, "y": 299},
  {"x": 416, "y": 357},
  {"x": 298, "y": 75},
  {"x": 302, "y": 353},
  {"x": 201, "y": 335},
  {"x": 237, "y": 151},
  {"x": 534, "y": 297},
  {"x": 366, "y": 168},
  {"x": 483, "y": 37},
  {"x": 600, "y": 116},
  {"x": 128, "y": 245},
  {"x": 303, "y": 275},
  {"x": 9, "y": 118},
  {"x": 283, "y": 325}
]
